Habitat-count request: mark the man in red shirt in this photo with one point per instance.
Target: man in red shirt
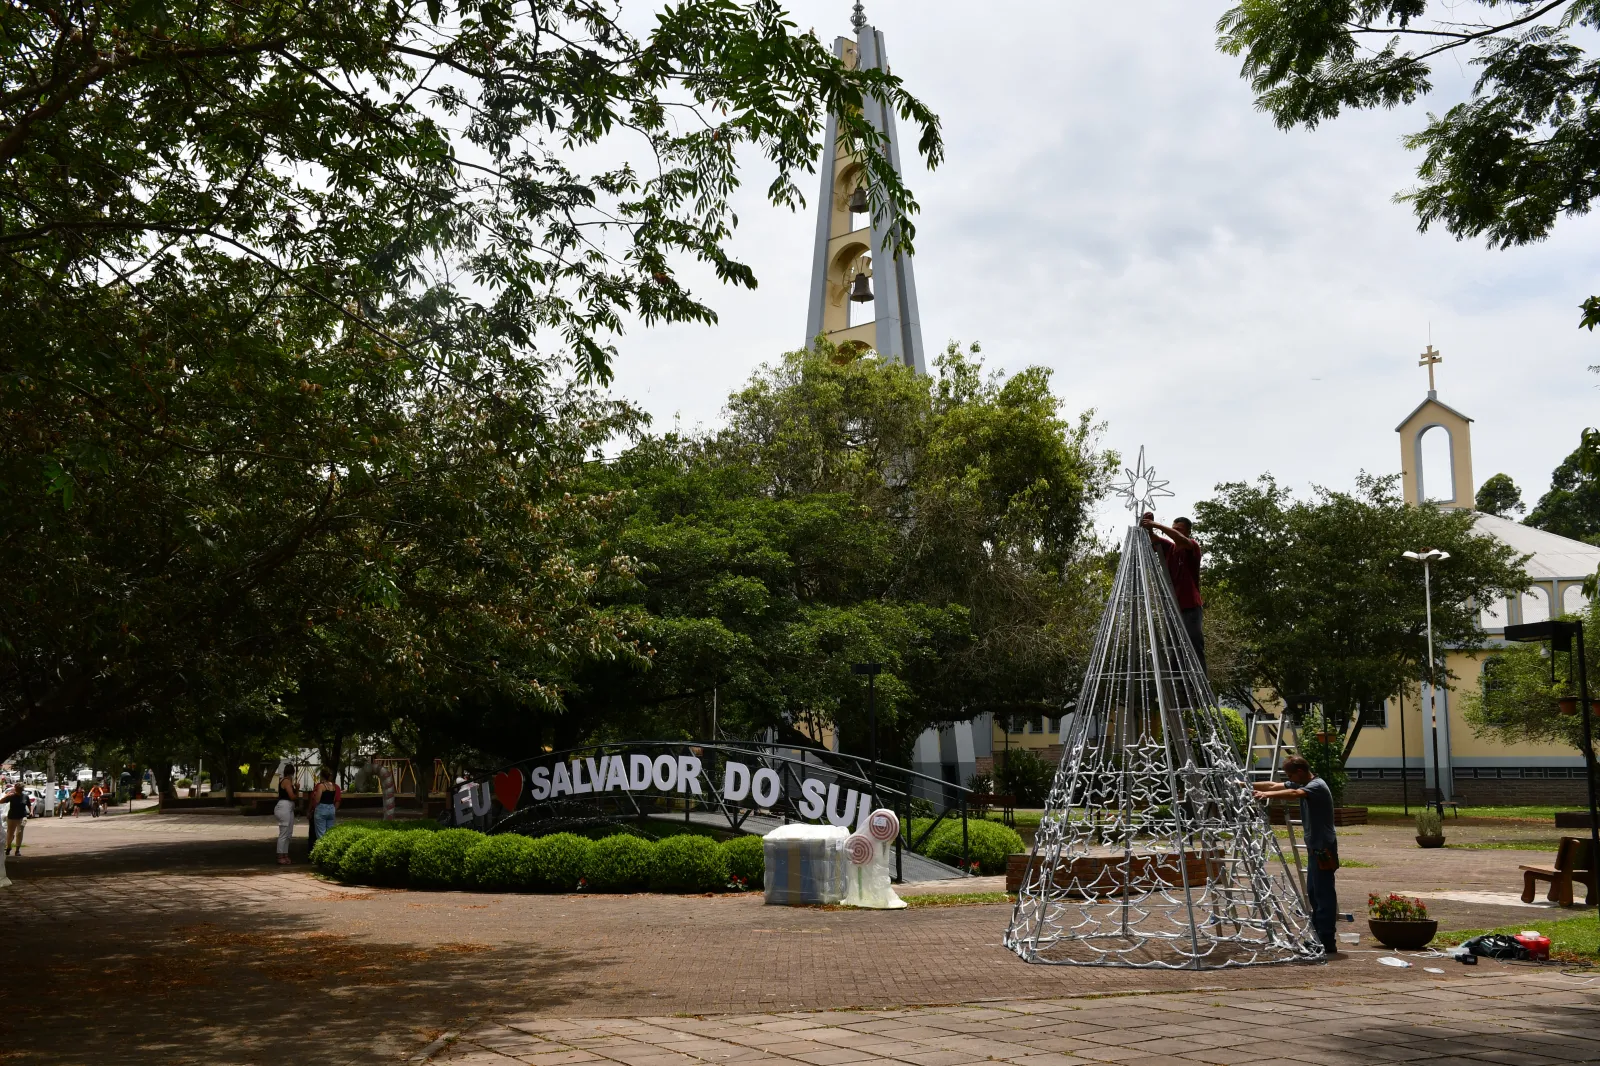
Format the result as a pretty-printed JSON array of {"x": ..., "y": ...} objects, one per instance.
[{"x": 1181, "y": 553}]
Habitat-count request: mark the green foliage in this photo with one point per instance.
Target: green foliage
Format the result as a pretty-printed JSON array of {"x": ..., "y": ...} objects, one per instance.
[
  {"x": 1323, "y": 747},
  {"x": 1504, "y": 164},
  {"x": 1429, "y": 824},
  {"x": 619, "y": 863},
  {"x": 1236, "y": 731},
  {"x": 330, "y": 847},
  {"x": 1516, "y": 702},
  {"x": 439, "y": 860},
  {"x": 988, "y": 844},
  {"x": 355, "y": 865},
  {"x": 560, "y": 861},
  {"x": 1572, "y": 506},
  {"x": 1326, "y": 604},
  {"x": 746, "y": 859},
  {"x": 688, "y": 863},
  {"x": 391, "y": 860},
  {"x": 1500, "y": 496},
  {"x": 249, "y": 423},
  {"x": 1020, "y": 772},
  {"x": 852, "y": 509},
  {"x": 501, "y": 863}
]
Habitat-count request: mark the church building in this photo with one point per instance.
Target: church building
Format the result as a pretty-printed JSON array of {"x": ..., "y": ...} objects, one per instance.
[{"x": 1400, "y": 739}]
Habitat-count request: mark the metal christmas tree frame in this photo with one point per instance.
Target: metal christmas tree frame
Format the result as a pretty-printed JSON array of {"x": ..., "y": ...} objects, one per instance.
[{"x": 1152, "y": 851}]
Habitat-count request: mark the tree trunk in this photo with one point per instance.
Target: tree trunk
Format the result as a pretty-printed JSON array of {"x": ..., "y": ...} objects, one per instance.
[{"x": 161, "y": 770}]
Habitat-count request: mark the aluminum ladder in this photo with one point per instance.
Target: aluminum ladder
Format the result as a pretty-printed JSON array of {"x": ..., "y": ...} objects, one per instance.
[{"x": 1272, "y": 737}]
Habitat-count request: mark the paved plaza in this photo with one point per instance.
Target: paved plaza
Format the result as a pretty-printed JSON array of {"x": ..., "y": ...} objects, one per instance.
[{"x": 174, "y": 939}]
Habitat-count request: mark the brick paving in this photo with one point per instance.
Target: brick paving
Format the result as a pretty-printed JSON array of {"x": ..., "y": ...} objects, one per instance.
[
  {"x": 175, "y": 939},
  {"x": 1522, "y": 1018}
]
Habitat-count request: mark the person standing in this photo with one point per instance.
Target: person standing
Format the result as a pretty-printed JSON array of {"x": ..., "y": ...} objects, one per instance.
[
  {"x": 1322, "y": 843},
  {"x": 324, "y": 804},
  {"x": 1181, "y": 553},
  {"x": 284, "y": 811},
  {"x": 16, "y": 801}
]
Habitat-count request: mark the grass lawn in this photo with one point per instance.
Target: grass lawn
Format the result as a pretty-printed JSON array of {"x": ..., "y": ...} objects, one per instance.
[
  {"x": 1508, "y": 845},
  {"x": 1570, "y": 938},
  {"x": 1024, "y": 819},
  {"x": 960, "y": 899},
  {"x": 1531, "y": 813}
]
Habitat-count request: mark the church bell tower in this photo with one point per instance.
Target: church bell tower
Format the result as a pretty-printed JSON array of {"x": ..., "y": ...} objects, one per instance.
[{"x": 852, "y": 267}]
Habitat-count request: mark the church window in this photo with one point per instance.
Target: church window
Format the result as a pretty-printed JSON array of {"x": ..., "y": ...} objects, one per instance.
[{"x": 1535, "y": 605}]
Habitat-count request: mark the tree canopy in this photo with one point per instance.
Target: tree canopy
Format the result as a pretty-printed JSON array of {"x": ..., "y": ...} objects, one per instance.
[
  {"x": 1506, "y": 164},
  {"x": 1572, "y": 506},
  {"x": 853, "y": 510},
  {"x": 1328, "y": 607},
  {"x": 302, "y": 301},
  {"x": 1516, "y": 699},
  {"x": 1500, "y": 496}
]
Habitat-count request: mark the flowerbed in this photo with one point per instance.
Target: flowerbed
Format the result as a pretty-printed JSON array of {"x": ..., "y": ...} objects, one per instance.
[{"x": 421, "y": 856}]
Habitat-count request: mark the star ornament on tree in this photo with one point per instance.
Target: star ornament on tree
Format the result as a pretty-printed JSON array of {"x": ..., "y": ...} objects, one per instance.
[{"x": 1142, "y": 488}]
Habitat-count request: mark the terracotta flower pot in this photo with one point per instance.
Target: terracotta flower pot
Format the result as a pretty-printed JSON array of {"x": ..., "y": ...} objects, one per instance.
[
  {"x": 1568, "y": 705},
  {"x": 1430, "y": 842},
  {"x": 1403, "y": 934}
]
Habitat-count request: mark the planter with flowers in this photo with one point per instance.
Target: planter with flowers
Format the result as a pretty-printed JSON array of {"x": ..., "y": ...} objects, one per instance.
[{"x": 1400, "y": 923}]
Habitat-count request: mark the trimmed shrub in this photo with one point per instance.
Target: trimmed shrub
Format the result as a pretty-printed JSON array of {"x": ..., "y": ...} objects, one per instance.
[
  {"x": 330, "y": 848},
  {"x": 560, "y": 861},
  {"x": 746, "y": 859},
  {"x": 503, "y": 863},
  {"x": 988, "y": 844},
  {"x": 689, "y": 864},
  {"x": 391, "y": 859},
  {"x": 355, "y": 865},
  {"x": 620, "y": 863},
  {"x": 438, "y": 860}
]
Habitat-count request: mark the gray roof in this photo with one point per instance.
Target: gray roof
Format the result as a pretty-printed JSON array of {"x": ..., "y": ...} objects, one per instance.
[{"x": 1554, "y": 557}]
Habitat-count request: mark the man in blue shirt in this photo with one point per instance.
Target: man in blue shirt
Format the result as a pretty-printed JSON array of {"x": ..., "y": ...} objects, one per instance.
[{"x": 1322, "y": 845}]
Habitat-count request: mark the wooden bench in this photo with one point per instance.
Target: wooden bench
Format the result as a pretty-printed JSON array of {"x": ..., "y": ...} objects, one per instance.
[
  {"x": 1430, "y": 798},
  {"x": 1572, "y": 864},
  {"x": 980, "y": 802}
]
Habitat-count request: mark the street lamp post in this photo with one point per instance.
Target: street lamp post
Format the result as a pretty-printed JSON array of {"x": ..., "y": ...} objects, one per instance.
[
  {"x": 871, "y": 670},
  {"x": 1561, "y": 634},
  {"x": 1427, "y": 558}
]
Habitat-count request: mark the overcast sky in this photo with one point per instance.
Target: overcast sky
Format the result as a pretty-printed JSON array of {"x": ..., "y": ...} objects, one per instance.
[{"x": 1237, "y": 299}]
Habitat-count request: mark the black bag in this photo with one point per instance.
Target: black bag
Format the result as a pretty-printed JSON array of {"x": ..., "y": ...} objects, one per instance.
[{"x": 1496, "y": 946}]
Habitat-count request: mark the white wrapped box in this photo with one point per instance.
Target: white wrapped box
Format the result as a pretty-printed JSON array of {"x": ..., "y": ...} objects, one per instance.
[{"x": 806, "y": 864}]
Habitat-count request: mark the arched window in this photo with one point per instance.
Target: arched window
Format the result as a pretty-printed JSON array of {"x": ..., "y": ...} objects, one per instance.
[
  {"x": 1437, "y": 476},
  {"x": 1493, "y": 615},
  {"x": 1535, "y": 605},
  {"x": 1491, "y": 666},
  {"x": 1573, "y": 601}
]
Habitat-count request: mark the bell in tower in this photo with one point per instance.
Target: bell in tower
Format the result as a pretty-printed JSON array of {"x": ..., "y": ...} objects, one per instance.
[{"x": 838, "y": 277}]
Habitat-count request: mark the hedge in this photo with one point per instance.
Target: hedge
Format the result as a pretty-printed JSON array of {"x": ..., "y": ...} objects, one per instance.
[
  {"x": 391, "y": 859},
  {"x": 747, "y": 860},
  {"x": 440, "y": 860},
  {"x": 988, "y": 844},
  {"x": 688, "y": 863},
  {"x": 561, "y": 861},
  {"x": 501, "y": 863},
  {"x": 620, "y": 863},
  {"x": 355, "y": 865},
  {"x": 380, "y": 853}
]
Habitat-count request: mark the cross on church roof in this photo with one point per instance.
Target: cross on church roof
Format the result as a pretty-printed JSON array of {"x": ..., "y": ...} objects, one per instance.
[{"x": 1428, "y": 359}]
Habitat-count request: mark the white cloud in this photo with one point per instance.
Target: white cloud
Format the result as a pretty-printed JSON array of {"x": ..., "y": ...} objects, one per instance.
[{"x": 1236, "y": 298}]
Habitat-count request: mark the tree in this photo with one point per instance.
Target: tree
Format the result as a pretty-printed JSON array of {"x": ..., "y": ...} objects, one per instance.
[
  {"x": 1506, "y": 164},
  {"x": 853, "y": 510},
  {"x": 1572, "y": 506},
  {"x": 1330, "y": 610},
  {"x": 1499, "y": 496},
  {"x": 1516, "y": 699},
  {"x": 294, "y": 295}
]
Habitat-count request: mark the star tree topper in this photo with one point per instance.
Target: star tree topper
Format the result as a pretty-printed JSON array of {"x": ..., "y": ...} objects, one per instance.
[{"x": 1142, "y": 488}]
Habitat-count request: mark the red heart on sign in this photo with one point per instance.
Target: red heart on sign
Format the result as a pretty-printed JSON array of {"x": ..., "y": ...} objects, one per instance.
[{"x": 508, "y": 788}]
